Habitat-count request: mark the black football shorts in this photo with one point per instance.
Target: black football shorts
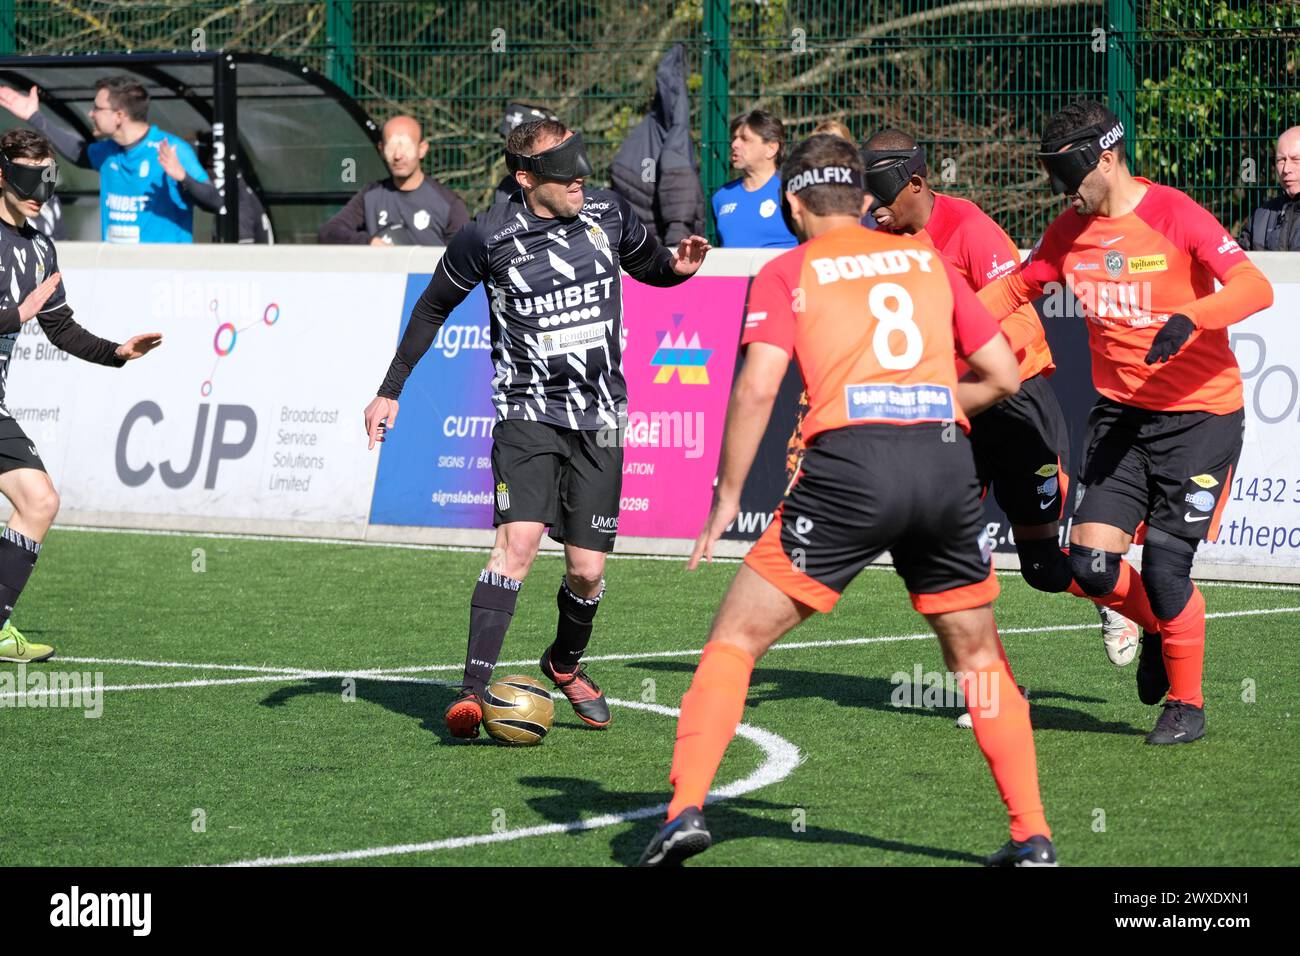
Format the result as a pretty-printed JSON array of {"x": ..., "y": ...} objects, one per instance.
[
  {"x": 1022, "y": 451},
  {"x": 1171, "y": 470},
  {"x": 570, "y": 480},
  {"x": 865, "y": 489},
  {"x": 16, "y": 449}
]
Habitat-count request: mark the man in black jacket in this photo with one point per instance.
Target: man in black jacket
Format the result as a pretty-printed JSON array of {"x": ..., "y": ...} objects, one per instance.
[
  {"x": 406, "y": 209},
  {"x": 1275, "y": 226},
  {"x": 656, "y": 168},
  {"x": 30, "y": 288}
]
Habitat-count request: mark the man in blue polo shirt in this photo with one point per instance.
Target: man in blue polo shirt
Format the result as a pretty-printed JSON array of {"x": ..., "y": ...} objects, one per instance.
[
  {"x": 748, "y": 210},
  {"x": 149, "y": 180}
]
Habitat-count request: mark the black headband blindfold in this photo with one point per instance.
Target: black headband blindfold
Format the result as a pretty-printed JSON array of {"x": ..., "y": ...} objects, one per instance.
[
  {"x": 29, "y": 182},
  {"x": 1067, "y": 168},
  {"x": 562, "y": 163},
  {"x": 885, "y": 180}
]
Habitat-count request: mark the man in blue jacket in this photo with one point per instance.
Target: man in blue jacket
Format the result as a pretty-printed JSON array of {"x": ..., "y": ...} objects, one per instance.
[{"x": 748, "y": 210}]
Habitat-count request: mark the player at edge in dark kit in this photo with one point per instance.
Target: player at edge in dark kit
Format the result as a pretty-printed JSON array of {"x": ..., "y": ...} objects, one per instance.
[{"x": 31, "y": 288}]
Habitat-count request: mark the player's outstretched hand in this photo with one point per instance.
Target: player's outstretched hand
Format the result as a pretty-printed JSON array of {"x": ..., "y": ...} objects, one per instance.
[
  {"x": 690, "y": 255},
  {"x": 1173, "y": 335},
  {"x": 381, "y": 415},
  {"x": 720, "y": 516},
  {"x": 22, "y": 105},
  {"x": 171, "y": 163},
  {"x": 37, "y": 298},
  {"x": 138, "y": 345}
]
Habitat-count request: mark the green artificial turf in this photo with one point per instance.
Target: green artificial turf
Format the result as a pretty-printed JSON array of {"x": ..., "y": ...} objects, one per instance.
[{"x": 288, "y": 765}]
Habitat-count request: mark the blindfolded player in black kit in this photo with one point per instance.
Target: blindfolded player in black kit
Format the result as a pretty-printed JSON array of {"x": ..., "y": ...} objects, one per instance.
[
  {"x": 550, "y": 261},
  {"x": 31, "y": 288}
]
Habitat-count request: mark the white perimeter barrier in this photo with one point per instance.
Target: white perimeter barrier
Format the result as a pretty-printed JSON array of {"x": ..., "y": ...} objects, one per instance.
[{"x": 248, "y": 420}]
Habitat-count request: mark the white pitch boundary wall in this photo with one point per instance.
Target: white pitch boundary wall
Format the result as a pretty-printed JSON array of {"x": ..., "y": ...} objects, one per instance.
[{"x": 311, "y": 364}]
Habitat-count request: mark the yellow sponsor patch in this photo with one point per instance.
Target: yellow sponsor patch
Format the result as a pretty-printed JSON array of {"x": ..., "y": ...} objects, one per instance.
[
  {"x": 1205, "y": 481},
  {"x": 1148, "y": 264},
  {"x": 1047, "y": 471}
]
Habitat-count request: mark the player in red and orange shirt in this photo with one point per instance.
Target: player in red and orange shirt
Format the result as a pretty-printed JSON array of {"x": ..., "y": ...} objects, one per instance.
[
  {"x": 1021, "y": 444},
  {"x": 1141, "y": 260},
  {"x": 873, "y": 321}
]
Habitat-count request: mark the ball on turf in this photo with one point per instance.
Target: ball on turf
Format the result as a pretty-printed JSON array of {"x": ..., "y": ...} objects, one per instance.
[{"x": 518, "y": 710}]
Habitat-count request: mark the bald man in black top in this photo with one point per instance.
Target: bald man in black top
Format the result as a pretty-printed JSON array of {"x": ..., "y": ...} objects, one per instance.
[{"x": 406, "y": 209}]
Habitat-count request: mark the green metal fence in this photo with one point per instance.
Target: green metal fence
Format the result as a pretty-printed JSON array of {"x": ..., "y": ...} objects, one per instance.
[{"x": 1205, "y": 86}]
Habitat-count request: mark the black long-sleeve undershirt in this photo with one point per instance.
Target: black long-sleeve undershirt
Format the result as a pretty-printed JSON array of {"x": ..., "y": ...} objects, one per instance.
[
  {"x": 64, "y": 333},
  {"x": 204, "y": 195},
  {"x": 67, "y": 142},
  {"x": 440, "y": 296}
]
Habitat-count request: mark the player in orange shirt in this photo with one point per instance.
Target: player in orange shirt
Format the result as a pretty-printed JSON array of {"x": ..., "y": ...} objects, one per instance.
[
  {"x": 873, "y": 321},
  {"x": 1141, "y": 260},
  {"x": 1021, "y": 444}
]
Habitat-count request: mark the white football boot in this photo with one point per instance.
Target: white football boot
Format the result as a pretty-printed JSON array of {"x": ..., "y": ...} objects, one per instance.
[{"x": 1120, "y": 635}]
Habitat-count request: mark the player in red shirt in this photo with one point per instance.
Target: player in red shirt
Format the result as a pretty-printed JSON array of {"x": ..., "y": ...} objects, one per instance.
[
  {"x": 1021, "y": 444},
  {"x": 873, "y": 321},
  {"x": 1141, "y": 260}
]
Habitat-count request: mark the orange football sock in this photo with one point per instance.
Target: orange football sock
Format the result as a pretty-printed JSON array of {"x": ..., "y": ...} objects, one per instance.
[
  {"x": 1183, "y": 644},
  {"x": 710, "y": 711},
  {"x": 1000, "y": 719},
  {"x": 1129, "y": 598}
]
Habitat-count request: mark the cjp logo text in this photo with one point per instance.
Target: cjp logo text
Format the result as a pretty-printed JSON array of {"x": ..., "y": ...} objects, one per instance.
[
  {"x": 134, "y": 910},
  {"x": 235, "y": 418}
]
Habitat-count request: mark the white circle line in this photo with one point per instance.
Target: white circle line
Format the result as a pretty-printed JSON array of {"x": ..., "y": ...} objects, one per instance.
[{"x": 781, "y": 757}]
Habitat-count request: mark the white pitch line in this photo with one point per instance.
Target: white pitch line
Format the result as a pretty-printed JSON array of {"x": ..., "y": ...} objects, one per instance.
[
  {"x": 801, "y": 645},
  {"x": 474, "y": 549},
  {"x": 177, "y": 664},
  {"x": 277, "y": 674},
  {"x": 781, "y": 757},
  {"x": 283, "y": 677},
  {"x": 357, "y": 542}
]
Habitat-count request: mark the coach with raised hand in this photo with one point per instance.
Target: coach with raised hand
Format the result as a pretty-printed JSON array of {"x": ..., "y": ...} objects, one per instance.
[{"x": 149, "y": 180}]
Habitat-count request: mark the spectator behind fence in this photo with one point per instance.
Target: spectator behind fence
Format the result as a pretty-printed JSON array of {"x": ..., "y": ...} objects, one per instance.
[
  {"x": 1275, "y": 226},
  {"x": 406, "y": 209},
  {"x": 836, "y": 128},
  {"x": 254, "y": 223},
  {"x": 747, "y": 210},
  {"x": 149, "y": 180},
  {"x": 517, "y": 113}
]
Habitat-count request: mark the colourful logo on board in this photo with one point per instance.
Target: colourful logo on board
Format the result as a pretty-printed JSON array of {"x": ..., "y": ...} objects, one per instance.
[{"x": 685, "y": 358}]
